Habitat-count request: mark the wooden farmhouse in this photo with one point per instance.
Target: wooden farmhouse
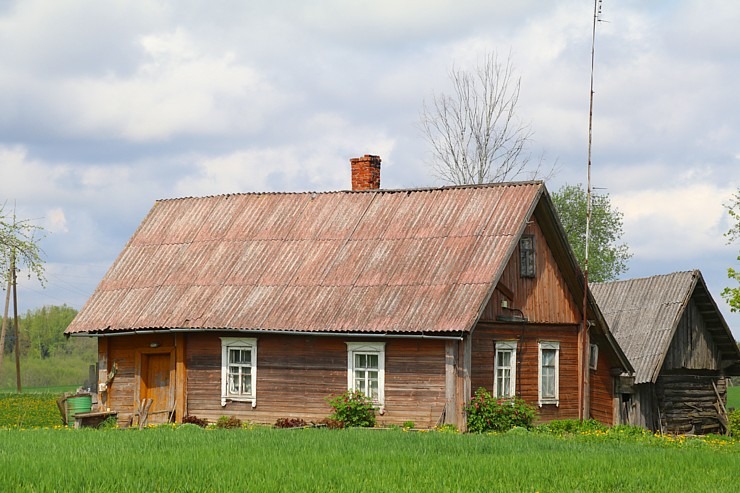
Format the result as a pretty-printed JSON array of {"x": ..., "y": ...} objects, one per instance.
[
  {"x": 680, "y": 346},
  {"x": 260, "y": 305}
]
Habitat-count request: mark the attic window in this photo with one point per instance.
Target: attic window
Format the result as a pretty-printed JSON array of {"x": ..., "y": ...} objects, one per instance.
[{"x": 527, "y": 259}]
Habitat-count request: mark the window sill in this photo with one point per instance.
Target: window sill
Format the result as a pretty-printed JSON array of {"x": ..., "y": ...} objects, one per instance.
[
  {"x": 555, "y": 403},
  {"x": 225, "y": 399}
]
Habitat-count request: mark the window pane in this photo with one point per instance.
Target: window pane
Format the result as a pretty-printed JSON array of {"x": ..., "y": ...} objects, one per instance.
[
  {"x": 234, "y": 356},
  {"x": 234, "y": 383},
  {"x": 246, "y": 384},
  {"x": 548, "y": 357},
  {"x": 246, "y": 356},
  {"x": 360, "y": 361},
  {"x": 548, "y": 382},
  {"x": 504, "y": 358},
  {"x": 372, "y": 361},
  {"x": 373, "y": 390}
]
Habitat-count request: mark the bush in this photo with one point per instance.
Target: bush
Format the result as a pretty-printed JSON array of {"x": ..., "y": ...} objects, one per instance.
[
  {"x": 228, "y": 422},
  {"x": 734, "y": 423},
  {"x": 563, "y": 426},
  {"x": 408, "y": 424},
  {"x": 332, "y": 424},
  {"x": 194, "y": 420},
  {"x": 485, "y": 413},
  {"x": 290, "y": 423},
  {"x": 352, "y": 408}
]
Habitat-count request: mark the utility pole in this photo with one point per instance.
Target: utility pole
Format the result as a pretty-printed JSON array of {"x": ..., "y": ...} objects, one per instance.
[
  {"x": 15, "y": 320},
  {"x": 5, "y": 322},
  {"x": 584, "y": 387}
]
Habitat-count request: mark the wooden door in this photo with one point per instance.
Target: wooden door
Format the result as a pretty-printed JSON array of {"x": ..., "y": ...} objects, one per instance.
[{"x": 157, "y": 384}]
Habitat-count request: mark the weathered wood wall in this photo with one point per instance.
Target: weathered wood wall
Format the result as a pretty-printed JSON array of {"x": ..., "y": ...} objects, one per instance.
[
  {"x": 687, "y": 402},
  {"x": 295, "y": 374},
  {"x": 602, "y": 388},
  {"x": 527, "y": 337},
  {"x": 122, "y": 352},
  {"x": 542, "y": 299},
  {"x": 692, "y": 346}
]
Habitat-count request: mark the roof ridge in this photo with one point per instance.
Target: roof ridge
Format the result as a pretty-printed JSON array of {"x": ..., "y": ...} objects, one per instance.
[{"x": 378, "y": 191}]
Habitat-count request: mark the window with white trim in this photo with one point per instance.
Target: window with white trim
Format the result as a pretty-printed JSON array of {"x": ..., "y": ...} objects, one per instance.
[
  {"x": 366, "y": 369},
  {"x": 238, "y": 370},
  {"x": 504, "y": 382},
  {"x": 549, "y": 373},
  {"x": 593, "y": 356}
]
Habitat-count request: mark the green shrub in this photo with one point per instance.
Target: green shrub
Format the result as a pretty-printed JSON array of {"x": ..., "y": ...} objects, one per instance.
[
  {"x": 563, "y": 426},
  {"x": 194, "y": 420},
  {"x": 447, "y": 428},
  {"x": 352, "y": 408},
  {"x": 409, "y": 424},
  {"x": 290, "y": 423},
  {"x": 734, "y": 423},
  {"x": 486, "y": 413},
  {"x": 228, "y": 422}
]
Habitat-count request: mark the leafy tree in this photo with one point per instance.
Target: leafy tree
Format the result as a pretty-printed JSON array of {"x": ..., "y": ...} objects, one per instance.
[
  {"x": 607, "y": 257},
  {"x": 474, "y": 133},
  {"x": 42, "y": 334},
  {"x": 19, "y": 245},
  {"x": 732, "y": 295}
]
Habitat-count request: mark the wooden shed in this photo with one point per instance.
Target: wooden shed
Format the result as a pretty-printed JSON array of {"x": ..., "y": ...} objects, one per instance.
[
  {"x": 680, "y": 346},
  {"x": 261, "y": 305}
]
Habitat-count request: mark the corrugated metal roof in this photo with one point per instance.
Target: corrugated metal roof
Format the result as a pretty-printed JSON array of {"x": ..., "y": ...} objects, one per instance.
[
  {"x": 380, "y": 261},
  {"x": 643, "y": 315}
]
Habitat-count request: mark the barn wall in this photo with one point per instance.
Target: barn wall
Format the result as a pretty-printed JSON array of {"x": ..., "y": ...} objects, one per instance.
[
  {"x": 602, "y": 390},
  {"x": 692, "y": 346},
  {"x": 687, "y": 402},
  {"x": 542, "y": 299},
  {"x": 121, "y": 395},
  {"x": 295, "y": 374},
  {"x": 528, "y": 337},
  {"x": 643, "y": 410}
]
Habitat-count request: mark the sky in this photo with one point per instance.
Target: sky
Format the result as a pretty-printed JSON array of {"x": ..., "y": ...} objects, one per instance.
[{"x": 106, "y": 107}]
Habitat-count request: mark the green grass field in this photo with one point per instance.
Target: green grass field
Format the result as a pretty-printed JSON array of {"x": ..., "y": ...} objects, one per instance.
[
  {"x": 189, "y": 459},
  {"x": 37, "y": 456},
  {"x": 733, "y": 397}
]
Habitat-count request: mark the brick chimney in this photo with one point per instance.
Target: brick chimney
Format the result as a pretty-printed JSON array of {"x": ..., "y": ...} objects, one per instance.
[{"x": 365, "y": 172}]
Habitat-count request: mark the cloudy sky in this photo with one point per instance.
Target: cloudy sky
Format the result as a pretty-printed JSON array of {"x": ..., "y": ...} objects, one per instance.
[{"x": 107, "y": 106}]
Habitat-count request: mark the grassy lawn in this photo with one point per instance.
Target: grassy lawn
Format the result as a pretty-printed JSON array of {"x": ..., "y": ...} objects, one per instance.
[
  {"x": 355, "y": 460},
  {"x": 733, "y": 397}
]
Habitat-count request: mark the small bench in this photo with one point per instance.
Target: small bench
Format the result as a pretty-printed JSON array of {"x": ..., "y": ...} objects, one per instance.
[{"x": 92, "y": 419}]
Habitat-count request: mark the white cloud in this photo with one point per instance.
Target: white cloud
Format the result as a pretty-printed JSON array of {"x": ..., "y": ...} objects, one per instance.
[
  {"x": 673, "y": 223},
  {"x": 56, "y": 222},
  {"x": 178, "y": 90}
]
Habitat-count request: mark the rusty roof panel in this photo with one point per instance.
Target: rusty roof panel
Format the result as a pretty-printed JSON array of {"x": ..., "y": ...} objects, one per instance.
[{"x": 382, "y": 261}]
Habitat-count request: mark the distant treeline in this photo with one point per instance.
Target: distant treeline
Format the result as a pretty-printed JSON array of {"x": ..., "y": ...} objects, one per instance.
[{"x": 47, "y": 356}]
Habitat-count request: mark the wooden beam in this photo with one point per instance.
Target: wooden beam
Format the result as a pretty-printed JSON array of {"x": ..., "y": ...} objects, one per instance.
[
  {"x": 181, "y": 404},
  {"x": 451, "y": 402},
  {"x": 104, "y": 396}
]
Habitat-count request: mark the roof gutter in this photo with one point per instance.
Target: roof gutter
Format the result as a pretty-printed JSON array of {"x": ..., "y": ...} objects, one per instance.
[{"x": 280, "y": 332}]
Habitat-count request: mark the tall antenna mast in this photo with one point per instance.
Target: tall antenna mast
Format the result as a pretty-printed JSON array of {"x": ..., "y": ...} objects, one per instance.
[
  {"x": 597, "y": 11},
  {"x": 585, "y": 346}
]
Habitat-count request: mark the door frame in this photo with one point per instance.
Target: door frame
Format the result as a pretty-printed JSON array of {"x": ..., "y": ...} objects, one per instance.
[{"x": 139, "y": 357}]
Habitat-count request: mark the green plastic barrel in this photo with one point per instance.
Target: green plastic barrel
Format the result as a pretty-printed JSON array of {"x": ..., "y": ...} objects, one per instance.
[{"x": 79, "y": 404}]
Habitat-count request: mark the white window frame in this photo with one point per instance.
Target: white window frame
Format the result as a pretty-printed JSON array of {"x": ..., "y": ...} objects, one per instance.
[
  {"x": 593, "y": 356},
  {"x": 508, "y": 346},
  {"x": 554, "y": 399},
  {"x": 238, "y": 343},
  {"x": 371, "y": 348}
]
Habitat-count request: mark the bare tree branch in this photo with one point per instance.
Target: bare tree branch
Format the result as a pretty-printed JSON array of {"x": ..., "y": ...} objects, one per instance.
[{"x": 474, "y": 133}]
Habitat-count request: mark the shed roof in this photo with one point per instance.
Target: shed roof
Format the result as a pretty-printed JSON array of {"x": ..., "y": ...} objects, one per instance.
[
  {"x": 381, "y": 261},
  {"x": 643, "y": 315}
]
